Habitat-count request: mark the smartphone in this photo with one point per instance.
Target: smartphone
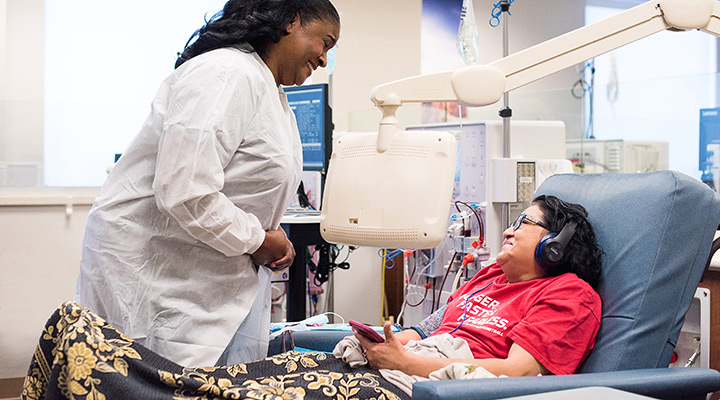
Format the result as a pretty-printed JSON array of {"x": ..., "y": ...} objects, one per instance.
[{"x": 367, "y": 332}]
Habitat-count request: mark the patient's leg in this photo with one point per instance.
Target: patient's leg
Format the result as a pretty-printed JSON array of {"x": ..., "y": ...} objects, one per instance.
[{"x": 81, "y": 356}]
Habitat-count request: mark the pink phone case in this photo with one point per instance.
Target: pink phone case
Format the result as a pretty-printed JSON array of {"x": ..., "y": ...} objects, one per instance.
[{"x": 367, "y": 331}]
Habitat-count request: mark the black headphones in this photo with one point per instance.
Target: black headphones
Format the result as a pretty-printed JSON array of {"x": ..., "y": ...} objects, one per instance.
[{"x": 551, "y": 248}]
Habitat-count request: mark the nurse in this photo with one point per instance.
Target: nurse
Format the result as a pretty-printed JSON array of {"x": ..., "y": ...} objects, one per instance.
[{"x": 181, "y": 241}]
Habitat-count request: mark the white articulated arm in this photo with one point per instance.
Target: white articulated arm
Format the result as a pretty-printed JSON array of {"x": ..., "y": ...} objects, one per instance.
[
  {"x": 577, "y": 46},
  {"x": 713, "y": 26},
  {"x": 482, "y": 85},
  {"x": 416, "y": 89}
]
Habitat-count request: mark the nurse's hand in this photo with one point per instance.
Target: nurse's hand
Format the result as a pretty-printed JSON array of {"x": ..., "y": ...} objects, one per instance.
[{"x": 276, "y": 251}]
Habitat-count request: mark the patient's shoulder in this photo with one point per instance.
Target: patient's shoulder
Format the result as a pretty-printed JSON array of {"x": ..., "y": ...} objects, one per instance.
[{"x": 569, "y": 286}]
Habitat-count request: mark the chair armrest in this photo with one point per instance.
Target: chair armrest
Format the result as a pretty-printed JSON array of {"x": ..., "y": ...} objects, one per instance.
[
  {"x": 317, "y": 340},
  {"x": 660, "y": 383}
]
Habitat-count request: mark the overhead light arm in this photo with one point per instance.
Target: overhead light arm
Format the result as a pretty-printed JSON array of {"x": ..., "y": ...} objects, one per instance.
[
  {"x": 481, "y": 85},
  {"x": 713, "y": 26}
]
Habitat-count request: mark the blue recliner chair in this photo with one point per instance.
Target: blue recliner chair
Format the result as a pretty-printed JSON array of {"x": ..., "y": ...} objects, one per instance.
[{"x": 656, "y": 230}]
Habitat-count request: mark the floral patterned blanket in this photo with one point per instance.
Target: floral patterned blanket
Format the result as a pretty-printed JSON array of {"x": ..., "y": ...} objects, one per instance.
[{"x": 80, "y": 356}]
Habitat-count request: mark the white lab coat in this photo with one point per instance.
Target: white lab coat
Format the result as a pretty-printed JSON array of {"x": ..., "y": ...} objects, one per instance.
[{"x": 167, "y": 242}]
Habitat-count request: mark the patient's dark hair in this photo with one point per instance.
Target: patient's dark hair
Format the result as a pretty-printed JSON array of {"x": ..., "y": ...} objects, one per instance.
[
  {"x": 583, "y": 256},
  {"x": 252, "y": 25}
]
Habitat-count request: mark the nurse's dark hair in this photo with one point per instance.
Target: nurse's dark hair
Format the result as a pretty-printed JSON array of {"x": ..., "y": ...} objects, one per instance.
[
  {"x": 252, "y": 25},
  {"x": 582, "y": 256}
]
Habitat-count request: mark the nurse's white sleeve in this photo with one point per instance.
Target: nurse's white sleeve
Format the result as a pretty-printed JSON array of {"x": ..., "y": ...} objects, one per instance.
[{"x": 207, "y": 115}]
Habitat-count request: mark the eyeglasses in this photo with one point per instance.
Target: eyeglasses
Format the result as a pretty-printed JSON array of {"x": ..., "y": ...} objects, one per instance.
[{"x": 525, "y": 218}]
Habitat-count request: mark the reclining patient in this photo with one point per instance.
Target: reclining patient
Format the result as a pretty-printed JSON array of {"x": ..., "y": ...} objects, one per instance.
[{"x": 533, "y": 312}]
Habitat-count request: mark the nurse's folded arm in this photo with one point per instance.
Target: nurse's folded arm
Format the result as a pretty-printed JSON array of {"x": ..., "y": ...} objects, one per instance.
[{"x": 276, "y": 251}]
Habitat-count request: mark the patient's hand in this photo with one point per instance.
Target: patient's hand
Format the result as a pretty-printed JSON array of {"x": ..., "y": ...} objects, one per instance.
[{"x": 389, "y": 354}]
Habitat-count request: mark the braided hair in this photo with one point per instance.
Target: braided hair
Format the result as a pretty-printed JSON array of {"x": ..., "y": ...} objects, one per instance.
[
  {"x": 252, "y": 25},
  {"x": 583, "y": 256}
]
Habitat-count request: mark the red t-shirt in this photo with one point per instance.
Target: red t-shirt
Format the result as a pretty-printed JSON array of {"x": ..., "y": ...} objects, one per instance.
[{"x": 555, "y": 319}]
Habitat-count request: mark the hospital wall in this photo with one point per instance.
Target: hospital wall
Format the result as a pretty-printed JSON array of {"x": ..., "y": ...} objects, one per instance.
[
  {"x": 41, "y": 228},
  {"x": 40, "y": 234}
]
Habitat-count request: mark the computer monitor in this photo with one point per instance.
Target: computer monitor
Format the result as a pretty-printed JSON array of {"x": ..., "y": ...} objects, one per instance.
[{"x": 314, "y": 120}]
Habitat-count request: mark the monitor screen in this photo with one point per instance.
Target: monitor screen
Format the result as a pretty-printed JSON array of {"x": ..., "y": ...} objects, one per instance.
[{"x": 314, "y": 120}]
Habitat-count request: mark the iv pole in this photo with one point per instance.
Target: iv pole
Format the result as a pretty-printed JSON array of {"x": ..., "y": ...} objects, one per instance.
[{"x": 505, "y": 112}]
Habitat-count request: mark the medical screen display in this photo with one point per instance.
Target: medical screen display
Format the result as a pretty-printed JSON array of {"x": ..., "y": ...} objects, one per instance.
[
  {"x": 310, "y": 105},
  {"x": 709, "y": 138}
]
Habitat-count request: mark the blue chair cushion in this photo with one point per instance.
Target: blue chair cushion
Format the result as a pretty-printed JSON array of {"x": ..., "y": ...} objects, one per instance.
[{"x": 656, "y": 230}]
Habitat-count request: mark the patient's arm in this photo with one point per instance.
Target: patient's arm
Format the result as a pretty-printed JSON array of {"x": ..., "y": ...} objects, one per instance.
[
  {"x": 431, "y": 323},
  {"x": 518, "y": 363},
  {"x": 391, "y": 355},
  {"x": 407, "y": 335}
]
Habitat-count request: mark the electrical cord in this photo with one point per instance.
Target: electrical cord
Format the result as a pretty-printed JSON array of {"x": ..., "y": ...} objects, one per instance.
[
  {"x": 478, "y": 217},
  {"x": 408, "y": 282},
  {"x": 435, "y": 301},
  {"x": 442, "y": 284},
  {"x": 327, "y": 261},
  {"x": 457, "y": 278},
  {"x": 428, "y": 285},
  {"x": 465, "y": 307},
  {"x": 303, "y": 197},
  {"x": 434, "y": 293},
  {"x": 406, "y": 275},
  {"x": 588, "y": 89}
]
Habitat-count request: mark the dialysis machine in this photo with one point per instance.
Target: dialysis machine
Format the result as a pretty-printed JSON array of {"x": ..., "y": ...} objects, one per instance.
[
  {"x": 393, "y": 157},
  {"x": 483, "y": 182},
  {"x": 619, "y": 155}
]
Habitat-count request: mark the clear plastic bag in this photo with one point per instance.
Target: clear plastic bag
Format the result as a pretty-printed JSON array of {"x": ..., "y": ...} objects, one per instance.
[{"x": 467, "y": 38}]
